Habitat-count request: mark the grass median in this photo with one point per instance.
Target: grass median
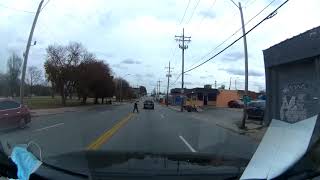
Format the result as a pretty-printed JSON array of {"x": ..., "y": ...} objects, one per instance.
[{"x": 45, "y": 102}]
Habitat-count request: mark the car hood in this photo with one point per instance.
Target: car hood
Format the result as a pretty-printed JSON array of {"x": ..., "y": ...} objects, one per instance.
[{"x": 89, "y": 162}]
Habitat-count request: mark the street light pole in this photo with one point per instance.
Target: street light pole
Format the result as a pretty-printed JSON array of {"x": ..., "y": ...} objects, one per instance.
[
  {"x": 243, "y": 124},
  {"x": 120, "y": 97},
  {"x": 26, "y": 53},
  {"x": 168, "y": 75}
]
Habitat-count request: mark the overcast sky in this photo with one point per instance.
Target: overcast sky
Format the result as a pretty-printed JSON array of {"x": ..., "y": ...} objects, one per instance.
[{"x": 137, "y": 37}]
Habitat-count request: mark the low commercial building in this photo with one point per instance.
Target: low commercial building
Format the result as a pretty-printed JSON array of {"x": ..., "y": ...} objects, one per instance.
[
  {"x": 202, "y": 97},
  {"x": 175, "y": 96},
  {"x": 196, "y": 96},
  {"x": 226, "y": 96}
]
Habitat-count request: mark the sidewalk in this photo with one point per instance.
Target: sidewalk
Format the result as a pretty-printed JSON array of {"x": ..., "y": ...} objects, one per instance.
[
  {"x": 229, "y": 119},
  {"x": 178, "y": 108}
]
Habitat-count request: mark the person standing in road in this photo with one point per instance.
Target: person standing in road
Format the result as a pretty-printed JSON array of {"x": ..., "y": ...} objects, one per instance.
[{"x": 135, "y": 107}]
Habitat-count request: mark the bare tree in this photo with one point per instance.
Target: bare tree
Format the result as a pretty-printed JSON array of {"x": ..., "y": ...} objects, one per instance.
[
  {"x": 75, "y": 53},
  {"x": 34, "y": 77},
  {"x": 62, "y": 67},
  {"x": 56, "y": 67},
  {"x": 14, "y": 70}
]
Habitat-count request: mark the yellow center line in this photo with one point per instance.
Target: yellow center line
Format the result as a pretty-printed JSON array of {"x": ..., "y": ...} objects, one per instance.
[{"x": 109, "y": 133}]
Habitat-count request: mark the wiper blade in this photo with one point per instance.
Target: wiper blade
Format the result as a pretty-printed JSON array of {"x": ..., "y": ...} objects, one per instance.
[
  {"x": 306, "y": 174},
  {"x": 65, "y": 171}
]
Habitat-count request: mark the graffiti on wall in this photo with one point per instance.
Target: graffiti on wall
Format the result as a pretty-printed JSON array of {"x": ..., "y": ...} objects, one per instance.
[
  {"x": 292, "y": 108},
  {"x": 293, "y": 102}
]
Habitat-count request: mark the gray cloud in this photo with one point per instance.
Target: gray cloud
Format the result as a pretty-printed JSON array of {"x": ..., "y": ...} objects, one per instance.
[
  {"x": 207, "y": 14},
  {"x": 205, "y": 77},
  {"x": 105, "y": 19},
  {"x": 186, "y": 83},
  {"x": 149, "y": 75},
  {"x": 119, "y": 66},
  {"x": 234, "y": 56},
  {"x": 107, "y": 55},
  {"x": 240, "y": 72},
  {"x": 255, "y": 73},
  {"x": 130, "y": 61},
  {"x": 138, "y": 76}
]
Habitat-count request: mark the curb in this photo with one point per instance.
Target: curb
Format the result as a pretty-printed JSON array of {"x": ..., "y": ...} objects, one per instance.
[
  {"x": 34, "y": 114},
  {"x": 231, "y": 129},
  {"x": 239, "y": 131}
]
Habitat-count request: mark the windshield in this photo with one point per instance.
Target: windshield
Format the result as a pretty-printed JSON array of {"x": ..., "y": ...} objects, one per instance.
[
  {"x": 158, "y": 77},
  {"x": 259, "y": 104}
]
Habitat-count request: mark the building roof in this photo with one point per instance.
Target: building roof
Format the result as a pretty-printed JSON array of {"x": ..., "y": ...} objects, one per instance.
[
  {"x": 194, "y": 90},
  {"x": 203, "y": 90},
  {"x": 178, "y": 90},
  {"x": 302, "y": 46}
]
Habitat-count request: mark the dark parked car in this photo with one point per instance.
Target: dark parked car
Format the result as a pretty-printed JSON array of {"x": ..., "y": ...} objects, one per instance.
[
  {"x": 235, "y": 104},
  {"x": 13, "y": 114},
  {"x": 148, "y": 104},
  {"x": 256, "y": 109}
]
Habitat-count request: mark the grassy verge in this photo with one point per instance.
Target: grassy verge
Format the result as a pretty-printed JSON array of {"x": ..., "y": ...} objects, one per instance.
[{"x": 44, "y": 102}]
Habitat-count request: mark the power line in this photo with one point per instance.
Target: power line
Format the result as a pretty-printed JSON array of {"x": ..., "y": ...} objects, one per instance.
[
  {"x": 184, "y": 14},
  {"x": 246, "y": 5},
  {"x": 197, "y": 28},
  {"x": 212, "y": 5},
  {"x": 228, "y": 38},
  {"x": 45, "y": 5},
  {"x": 175, "y": 80},
  {"x": 194, "y": 9},
  {"x": 273, "y": 13},
  {"x": 4, "y": 6},
  {"x": 214, "y": 2}
]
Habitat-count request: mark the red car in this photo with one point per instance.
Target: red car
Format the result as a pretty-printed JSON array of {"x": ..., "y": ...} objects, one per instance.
[
  {"x": 235, "y": 104},
  {"x": 13, "y": 114}
]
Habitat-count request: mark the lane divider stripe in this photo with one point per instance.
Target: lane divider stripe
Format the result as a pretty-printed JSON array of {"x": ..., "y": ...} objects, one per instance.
[
  {"x": 109, "y": 133},
  {"x": 187, "y": 144}
]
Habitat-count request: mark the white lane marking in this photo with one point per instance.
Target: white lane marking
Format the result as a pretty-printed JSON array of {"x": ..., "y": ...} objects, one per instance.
[
  {"x": 44, "y": 128},
  {"x": 187, "y": 144},
  {"x": 162, "y": 116}
]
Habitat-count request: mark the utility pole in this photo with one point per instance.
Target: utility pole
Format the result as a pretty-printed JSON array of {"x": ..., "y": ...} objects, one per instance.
[
  {"x": 26, "y": 53},
  {"x": 243, "y": 124},
  {"x": 235, "y": 84},
  {"x": 230, "y": 83},
  {"x": 159, "y": 88},
  {"x": 215, "y": 84},
  {"x": 182, "y": 46},
  {"x": 120, "y": 97},
  {"x": 168, "y": 75}
]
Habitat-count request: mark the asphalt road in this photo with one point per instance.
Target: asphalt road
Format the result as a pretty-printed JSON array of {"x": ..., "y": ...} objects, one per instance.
[{"x": 116, "y": 128}]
